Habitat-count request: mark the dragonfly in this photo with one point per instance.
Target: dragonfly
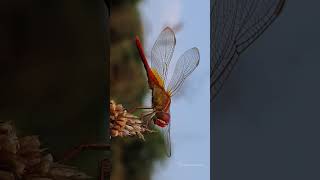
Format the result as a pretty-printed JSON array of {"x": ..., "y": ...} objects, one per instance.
[
  {"x": 235, "y": 25},
  {"x": 162, "y": 88}
]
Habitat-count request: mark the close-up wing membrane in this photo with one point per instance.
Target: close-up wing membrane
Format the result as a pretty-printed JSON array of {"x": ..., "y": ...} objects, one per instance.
[
  {"x": 162, "y": 51},
  {"x": 167, "y": 139},
  {"x": 235, "y": 25},
  {"x": 184, "y": 67}
]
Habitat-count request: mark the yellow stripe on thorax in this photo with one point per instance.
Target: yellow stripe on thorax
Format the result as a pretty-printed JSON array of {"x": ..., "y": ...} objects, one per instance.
[{"x": 158, "y": 77}]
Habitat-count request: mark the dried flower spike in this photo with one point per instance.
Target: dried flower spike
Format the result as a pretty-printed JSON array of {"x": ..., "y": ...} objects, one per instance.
[
  {"x": 22, "y": 158},
  {"x": 123, "y": 123}
]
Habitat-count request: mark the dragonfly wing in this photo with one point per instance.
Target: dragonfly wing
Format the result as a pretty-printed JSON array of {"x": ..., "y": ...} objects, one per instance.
[
  {"x": 162, "y": 52},
  {"x": 235, "y": 25},
  {"x": 167, "y": 139},
  {"x": 184, "y": 67}
]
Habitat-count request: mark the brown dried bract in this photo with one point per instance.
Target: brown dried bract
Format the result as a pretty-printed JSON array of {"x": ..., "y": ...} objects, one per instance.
[
  {"x": 22, "y": 158},
  {"x": 124, "y": 124}
]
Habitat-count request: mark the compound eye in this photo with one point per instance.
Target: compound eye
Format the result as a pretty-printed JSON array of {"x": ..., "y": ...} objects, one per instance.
[
  {"x": 163, "y": 116},
  {"x": 160, "y": 123}
]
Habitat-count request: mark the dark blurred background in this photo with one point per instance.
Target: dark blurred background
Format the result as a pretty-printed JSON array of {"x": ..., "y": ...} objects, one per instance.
[
  {"x": 266, "y": 119},
  {"x": 53, "y": 73}
]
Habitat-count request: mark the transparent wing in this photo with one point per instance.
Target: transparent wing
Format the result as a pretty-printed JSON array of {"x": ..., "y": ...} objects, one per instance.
[
  {"x": 234, "y": 26},
  {"x": 162, "y": 51},
  {"x": 184, "y": 67},
  {"x": 167, "y": 139}
]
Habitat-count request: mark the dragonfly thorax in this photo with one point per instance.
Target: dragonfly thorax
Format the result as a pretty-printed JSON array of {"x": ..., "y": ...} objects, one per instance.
[{"x": 160, "y": 99}]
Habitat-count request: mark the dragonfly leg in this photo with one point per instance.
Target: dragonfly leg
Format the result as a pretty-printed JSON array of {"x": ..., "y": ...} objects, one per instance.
[
  {"x": 136, "y": 108},
  {"x": 143, "y": 116},
  {"x": 132, "y": 117}
]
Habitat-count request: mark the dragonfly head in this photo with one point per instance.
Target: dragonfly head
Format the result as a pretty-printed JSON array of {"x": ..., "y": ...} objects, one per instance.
[{"x": 161, "y": 119}]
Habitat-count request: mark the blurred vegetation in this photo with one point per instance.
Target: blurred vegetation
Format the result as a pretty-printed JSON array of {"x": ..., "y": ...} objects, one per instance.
[
  {"x": 126, "y": 73},
  {"x": 132, "y": 157}
]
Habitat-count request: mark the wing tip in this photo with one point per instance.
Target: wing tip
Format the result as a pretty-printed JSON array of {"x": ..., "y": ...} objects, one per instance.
[
  {"x": 280, "y": 7},
  {"x": 196, "y": 49},
  {"x": 198, "y": 54},
  {"x": 167, "y": 28},
  {"x": 169, "y": 154}
]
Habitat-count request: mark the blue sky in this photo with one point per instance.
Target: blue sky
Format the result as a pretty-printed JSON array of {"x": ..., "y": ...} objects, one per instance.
[{"x": 190, "y": 109}]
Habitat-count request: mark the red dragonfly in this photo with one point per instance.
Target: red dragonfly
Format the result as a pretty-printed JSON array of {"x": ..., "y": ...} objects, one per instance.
[{"x": 162, "y": 89}]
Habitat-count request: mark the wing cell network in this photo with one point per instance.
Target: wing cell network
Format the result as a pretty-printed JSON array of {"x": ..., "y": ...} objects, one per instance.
[
  {"x": 184, "y": 67},
  {"x": 162, "y": 51},
  {"x": 235, "y": 25}
]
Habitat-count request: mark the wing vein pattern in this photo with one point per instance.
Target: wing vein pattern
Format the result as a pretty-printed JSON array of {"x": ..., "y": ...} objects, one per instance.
[{"x": 235, "y": 25}]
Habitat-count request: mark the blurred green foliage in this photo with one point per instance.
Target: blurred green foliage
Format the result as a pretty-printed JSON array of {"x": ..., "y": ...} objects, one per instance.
[
  {"x": 127, "y": 79},
  {"x": 132, "y": 158}
]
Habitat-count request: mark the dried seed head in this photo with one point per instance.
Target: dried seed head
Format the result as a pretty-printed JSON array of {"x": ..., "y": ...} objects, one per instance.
[
  {"x": 24, "y": 158},
  {"x": 123, "y": 123}
]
